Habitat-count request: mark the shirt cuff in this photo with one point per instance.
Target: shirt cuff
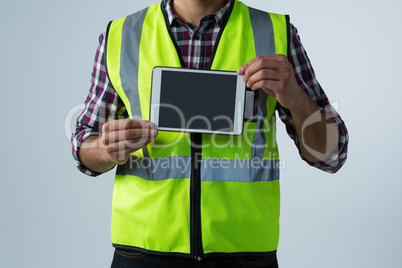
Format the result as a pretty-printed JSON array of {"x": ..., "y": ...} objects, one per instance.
[
  {"x": 77, "y": 139},
  {"x": 338, "y": 157}
]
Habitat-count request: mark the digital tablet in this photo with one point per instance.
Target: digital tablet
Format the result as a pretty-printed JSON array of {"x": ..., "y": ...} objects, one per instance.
[{"x": 197, "y": 101}]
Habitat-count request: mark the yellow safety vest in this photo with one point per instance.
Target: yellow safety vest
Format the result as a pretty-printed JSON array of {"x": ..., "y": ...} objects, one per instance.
[{"x": 166, "y": 202}]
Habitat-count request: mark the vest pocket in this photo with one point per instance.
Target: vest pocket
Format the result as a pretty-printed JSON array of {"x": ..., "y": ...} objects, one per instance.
[
  {"x": 257, "y": 261},
  {"x": 130, "y": 253}
]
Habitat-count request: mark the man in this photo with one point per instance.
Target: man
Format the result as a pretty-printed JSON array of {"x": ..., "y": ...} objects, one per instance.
[{"x": 201, "y": 214}]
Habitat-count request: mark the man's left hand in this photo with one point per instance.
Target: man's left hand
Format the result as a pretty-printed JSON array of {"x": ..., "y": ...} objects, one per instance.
[{"x": 274, "y": 74}]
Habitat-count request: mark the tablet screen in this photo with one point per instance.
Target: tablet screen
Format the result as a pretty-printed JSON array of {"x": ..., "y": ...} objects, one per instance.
[{"x": 203, "y": 100}]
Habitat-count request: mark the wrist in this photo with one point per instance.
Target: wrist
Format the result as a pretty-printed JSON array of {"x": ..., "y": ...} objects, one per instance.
[
  {"x": 93, "y": 155},
  {"x": 302, "y": 104}
]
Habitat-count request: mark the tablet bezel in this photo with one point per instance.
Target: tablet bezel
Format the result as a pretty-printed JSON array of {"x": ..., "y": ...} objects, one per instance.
[{"x": 239, "y": 101}]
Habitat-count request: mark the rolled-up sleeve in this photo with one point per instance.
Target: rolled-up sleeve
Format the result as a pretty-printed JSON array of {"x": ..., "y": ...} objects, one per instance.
[
  {"x": 102, "y": 104},
  {"x": 306, "y": 78}
]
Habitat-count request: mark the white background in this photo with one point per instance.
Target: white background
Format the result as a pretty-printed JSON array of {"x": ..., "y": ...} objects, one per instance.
[{"x": 53, "y": 216}]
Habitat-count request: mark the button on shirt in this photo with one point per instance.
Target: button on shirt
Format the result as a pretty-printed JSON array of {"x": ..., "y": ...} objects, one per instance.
[{"x": 196, "y": 46}]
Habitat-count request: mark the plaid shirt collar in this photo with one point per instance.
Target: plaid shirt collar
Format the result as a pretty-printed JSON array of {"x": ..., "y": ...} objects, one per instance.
[{"x": 217, "y": 16}]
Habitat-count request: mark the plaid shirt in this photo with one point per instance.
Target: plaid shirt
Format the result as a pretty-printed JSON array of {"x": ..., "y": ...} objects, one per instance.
[{"x": 196, "y": 44}]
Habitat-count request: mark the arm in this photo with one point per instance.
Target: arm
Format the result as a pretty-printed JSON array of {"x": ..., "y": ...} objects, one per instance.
[
  {"x": 274, "y": 74},
  {"x": 318, "y": 135},
  {"x": 97, "y": 151},
  {"x": 307, "y": 123}
]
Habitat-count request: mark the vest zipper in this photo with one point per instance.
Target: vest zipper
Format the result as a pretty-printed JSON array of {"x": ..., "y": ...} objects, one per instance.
[
  {"x": 195, "y": 197},
  {"x": 196, "y": 248}
]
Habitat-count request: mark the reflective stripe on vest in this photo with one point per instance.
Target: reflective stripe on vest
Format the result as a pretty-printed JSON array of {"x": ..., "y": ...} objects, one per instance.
[
  {"x": 179, "y": 167},
  {"x": 239, "y": 174}
]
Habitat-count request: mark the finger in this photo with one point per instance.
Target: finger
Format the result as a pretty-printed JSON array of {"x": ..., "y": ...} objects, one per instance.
[
  {"x": 121, "y": 157},
  {"x": 266, "y": 74},
  {"x": 114, "y": 131},
  {"x": 130, "y": 135},
  {"x": 130, "y": 146},
  {"x": 269, "y": 86},
  {"x": 279, "y": 57},
  {"x": 116, "y": 125},
  {"x": 138, "y": 133},
  {"x": 139, "y": 143},
  {"x": 276, "y": 57},
  {"x": 135, "y": 124},
  {"x": 262, "y": 65}
]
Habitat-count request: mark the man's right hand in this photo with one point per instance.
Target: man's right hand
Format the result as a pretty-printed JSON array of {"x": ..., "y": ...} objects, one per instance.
[
  {"x": 123, "y": 137},
  {"x": 119, "y": 139}
]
